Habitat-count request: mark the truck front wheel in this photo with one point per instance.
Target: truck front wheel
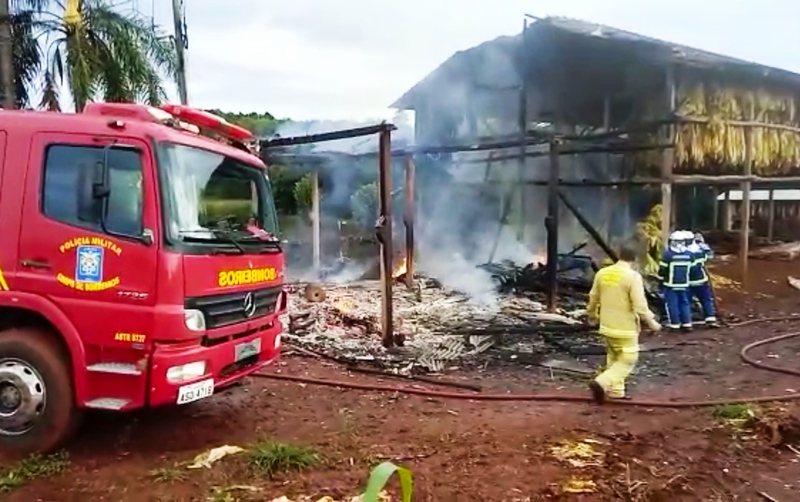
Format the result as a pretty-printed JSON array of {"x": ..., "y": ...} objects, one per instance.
[{"x": 37, "y": 399}]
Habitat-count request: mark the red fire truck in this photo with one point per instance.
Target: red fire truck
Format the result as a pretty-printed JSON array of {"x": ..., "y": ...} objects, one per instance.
[{"x": 139, "y": 264}]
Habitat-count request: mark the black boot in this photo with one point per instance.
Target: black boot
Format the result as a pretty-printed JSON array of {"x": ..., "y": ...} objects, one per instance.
[{"x": 598, "y": 392}]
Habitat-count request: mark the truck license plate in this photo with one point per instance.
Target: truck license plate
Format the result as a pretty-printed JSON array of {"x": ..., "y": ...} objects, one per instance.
[
  {"x": 195, "y": 391},
  {"x": 249, "y": 349}
]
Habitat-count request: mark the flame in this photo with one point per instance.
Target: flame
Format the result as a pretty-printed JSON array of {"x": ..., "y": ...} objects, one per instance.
[
  {"x": 539, "y": 258},
  {"x": 400, "y": 269}
]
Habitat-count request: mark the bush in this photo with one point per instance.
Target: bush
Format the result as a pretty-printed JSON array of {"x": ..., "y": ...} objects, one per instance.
[
  {"x": 302, "y": 192},
  {"x": 364, "y": 205},
  {"x": 283, "y": 180}
]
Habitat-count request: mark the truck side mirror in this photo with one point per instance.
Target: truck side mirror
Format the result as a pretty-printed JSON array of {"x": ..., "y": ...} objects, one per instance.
[{"x": 147, "y": 237}]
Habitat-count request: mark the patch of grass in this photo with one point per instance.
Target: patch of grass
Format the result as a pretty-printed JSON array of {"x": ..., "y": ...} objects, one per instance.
[
  {"x": 270, "y": 458},
  {"x": 221, "y": 495},
  {"x": 168, "y": 474},
  {"x": 229, "y": 493},
  {"x": 33, "y": 467},
  {"x": 734, "y": 412}
]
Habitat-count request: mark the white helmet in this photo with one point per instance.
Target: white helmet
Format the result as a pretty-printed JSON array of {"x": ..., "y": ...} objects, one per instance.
[{"x": 676, "y": 236}]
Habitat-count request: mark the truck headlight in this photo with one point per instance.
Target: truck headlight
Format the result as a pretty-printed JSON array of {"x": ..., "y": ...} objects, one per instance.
[
  {"x": 194, "y": 319},
  {"x": 185, "y": 372}
]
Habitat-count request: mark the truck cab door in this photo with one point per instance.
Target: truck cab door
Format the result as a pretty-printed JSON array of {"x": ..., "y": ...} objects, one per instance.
[{"x": 87, "y": 244}]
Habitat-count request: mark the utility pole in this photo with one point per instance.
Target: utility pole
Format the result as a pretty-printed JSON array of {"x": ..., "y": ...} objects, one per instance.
[
  {"x": 180, "y": 46},
  {"x": 7, "y": 57}
]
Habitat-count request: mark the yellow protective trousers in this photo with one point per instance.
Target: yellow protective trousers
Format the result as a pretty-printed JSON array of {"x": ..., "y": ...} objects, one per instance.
[{"x": 621, "y": 356}]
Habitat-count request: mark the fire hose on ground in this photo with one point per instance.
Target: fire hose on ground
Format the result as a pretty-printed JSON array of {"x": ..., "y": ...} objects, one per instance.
[{"x": 583, "y": 398}]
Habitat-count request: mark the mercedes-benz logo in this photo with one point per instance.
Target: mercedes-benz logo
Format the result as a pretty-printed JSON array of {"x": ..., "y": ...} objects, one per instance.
[{"x": 249, "y": 305}]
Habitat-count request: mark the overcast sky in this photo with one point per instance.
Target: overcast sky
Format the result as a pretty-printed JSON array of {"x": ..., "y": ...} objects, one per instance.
[{"x": 351, "y": 58}]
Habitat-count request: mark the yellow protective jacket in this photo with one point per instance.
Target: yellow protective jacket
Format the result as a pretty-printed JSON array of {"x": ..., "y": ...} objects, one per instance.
[{"x": 618, "y": 300}]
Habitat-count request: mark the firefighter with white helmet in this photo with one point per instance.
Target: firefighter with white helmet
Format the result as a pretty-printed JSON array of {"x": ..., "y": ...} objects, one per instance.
[
  {"x": 699, "y": 281},
  {"x": 673, "y": 271}
]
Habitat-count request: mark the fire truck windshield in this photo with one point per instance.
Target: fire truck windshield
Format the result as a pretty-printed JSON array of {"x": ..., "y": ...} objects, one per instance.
[{"x": 214, "y": 200}]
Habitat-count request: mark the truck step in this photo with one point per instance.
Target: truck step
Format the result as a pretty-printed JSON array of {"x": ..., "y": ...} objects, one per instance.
[
  {"x": 107, "y": 403},
  {"x": 117, "y": 368}
]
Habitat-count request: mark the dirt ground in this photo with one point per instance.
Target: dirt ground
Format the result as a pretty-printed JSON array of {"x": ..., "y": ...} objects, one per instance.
[{"x": 463, "y": 450}]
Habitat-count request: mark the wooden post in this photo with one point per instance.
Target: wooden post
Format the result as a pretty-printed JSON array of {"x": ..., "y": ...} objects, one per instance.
[
  {"x": 673, "y": 220},
  {"x": 744, "y": 235},
  {"x": 715, "y": 213},
  {"x": 606, "y": 192},
  {"x": 668, "y": 158},
  {"x": 727, "y": 224},
  {"x": 383, "y": 228},
  {"x": 771, "y": 215},
  {"x": 523, "y": 134},
  {"x": 408, "y": 221},
  {"x": 551, "y": 222},
  {"x": 315, "y": 223}
]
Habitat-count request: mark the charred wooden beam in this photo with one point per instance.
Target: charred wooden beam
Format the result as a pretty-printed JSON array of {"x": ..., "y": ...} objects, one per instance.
[
  {"x": 551, "y": 223},
  {"x": 408, "y": 221},
  {"x": 383, "y": 229},
  {"x": 688, "y": 180},
  {"x": 327, "y": 136},
  {"x": 588, "y": 227},
  {"x": 771, "y": 215},
  {"x": 668, "y": 158},
  {"x": 523, "y": 138},
  {"x": 611, "y": 150},
  {"x": 744, "y": 247}
]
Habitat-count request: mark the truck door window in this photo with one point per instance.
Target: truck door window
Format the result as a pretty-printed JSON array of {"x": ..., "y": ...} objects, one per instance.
[{"x": 67, "y": 195}]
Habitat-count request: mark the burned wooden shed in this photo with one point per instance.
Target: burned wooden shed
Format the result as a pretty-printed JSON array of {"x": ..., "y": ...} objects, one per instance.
[{"x": 703, "y": 120}]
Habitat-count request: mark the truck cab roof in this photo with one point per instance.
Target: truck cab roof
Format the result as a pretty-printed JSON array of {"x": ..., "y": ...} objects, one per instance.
[{"x": 118, "y": 119}]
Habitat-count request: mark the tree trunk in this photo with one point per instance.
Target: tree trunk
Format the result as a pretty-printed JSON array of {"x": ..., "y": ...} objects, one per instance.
[{"x": 7, "y": 58}]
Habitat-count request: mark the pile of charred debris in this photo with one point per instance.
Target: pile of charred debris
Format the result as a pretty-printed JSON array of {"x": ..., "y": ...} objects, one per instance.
[{"x": 437, "y": 328}]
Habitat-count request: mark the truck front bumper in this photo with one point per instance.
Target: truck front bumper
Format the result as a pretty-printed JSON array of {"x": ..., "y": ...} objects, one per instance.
[{"x": 176, "y": 376}]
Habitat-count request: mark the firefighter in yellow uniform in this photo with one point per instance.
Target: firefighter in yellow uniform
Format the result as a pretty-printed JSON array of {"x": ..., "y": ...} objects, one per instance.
[{"x": 618, "y": 301}]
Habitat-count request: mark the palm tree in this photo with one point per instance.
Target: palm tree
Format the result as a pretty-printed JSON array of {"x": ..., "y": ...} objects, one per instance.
[
  {"x": 98, "y": 51},
  {"x": 27, "y": 56},
  {"x": 103, "y": 53},
  {"x": 20, "y": 55}
]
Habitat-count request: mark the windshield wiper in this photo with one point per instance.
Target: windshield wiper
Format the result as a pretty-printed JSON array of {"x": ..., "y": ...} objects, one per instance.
[
  {"x": 272, "y": 241},
  {"x": 227, "y": 234},
  {"x": 217, "y": 238}
]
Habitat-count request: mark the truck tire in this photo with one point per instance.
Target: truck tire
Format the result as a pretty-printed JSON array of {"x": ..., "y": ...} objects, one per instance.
[{"x": 37, "y": 398}]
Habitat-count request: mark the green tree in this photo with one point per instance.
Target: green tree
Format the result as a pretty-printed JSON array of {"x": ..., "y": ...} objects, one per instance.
[
  {"x": 103, "y": 53},
  {"x": 27, "y": 57},
  {"x": 364, "y": 205},
  {"x": 20, "y": 54},
  {"x": 283, "y": 180},
  {"x": 302, "y": 192},
  {"x": 260, "y": 124}
]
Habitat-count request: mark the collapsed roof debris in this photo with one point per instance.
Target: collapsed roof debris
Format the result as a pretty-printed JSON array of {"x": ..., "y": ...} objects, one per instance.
[{"x": 434, "y": 326}]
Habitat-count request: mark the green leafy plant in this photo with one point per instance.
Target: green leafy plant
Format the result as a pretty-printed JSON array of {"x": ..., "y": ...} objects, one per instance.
[
  {"x": 269, "y": 458},
  {"x": 364, "y": 205},
  {"x": 302, "y": 192},
  {"x": 35, "y": 466},
  {"x": 381, "y": 475},
  {"x": 171, "y": 474}
]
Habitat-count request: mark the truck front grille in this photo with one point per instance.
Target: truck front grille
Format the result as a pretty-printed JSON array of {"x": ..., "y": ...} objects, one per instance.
[{"x": 229, "y": 308}]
